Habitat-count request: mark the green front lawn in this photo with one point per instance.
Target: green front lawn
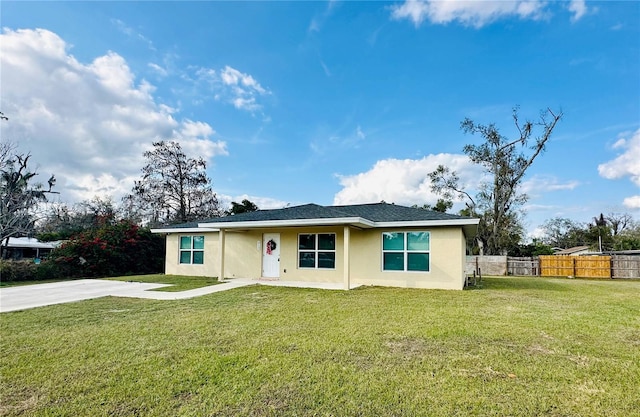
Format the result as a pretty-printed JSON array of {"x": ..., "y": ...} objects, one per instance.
[
  {"x": 516, "y": 347},
  {"x": 178, "y": 282}
]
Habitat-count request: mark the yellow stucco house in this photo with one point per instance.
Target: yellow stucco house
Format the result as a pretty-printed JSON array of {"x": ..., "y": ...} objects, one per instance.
[{"x": 365, "y": 244}]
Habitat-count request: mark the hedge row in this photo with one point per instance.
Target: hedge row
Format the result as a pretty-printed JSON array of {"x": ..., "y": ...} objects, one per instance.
[
  {"x": 19, "y": 271},
  {"x": 27, "y": 270}
]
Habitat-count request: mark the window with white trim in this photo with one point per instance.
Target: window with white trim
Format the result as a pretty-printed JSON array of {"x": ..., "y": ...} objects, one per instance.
[
  {"x": 317, "y": 250},
  {"x": 406, "y": 251},
  {"x": 192, "y": 250}
]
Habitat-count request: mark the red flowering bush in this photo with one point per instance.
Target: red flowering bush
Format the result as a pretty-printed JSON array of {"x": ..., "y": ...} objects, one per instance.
[{"x": 121, "y": 248}]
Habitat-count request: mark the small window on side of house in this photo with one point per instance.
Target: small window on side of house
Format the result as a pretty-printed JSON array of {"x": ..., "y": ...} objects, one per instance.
[
  {"x": 406, "y": 251},
  {"x": 192, "y": 250}
]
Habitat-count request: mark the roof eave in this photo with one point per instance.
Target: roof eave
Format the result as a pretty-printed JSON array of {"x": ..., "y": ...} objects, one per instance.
[
  {"x": 423, "y": 223},
  {"x": 185, "y": 230},
  {"x": 469, "y": 226}
]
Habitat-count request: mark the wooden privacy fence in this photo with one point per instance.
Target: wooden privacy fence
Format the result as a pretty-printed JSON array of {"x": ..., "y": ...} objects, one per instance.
[
  {"x": 625, "y": 266},
  {"x": 575, "y": 266},
  {"x": 609, "y": 266},
  {"x": 523, "y": 266}
]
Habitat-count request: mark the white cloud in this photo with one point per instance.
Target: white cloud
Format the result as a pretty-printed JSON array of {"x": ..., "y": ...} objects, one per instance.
[
  {"x": 234, "y": 87},
  {"x": 540, "y": 184},
  {"x": 314, "y": 26},
  {"x": 414, "y": 10},
  {"x": 132, "y": 33},
  {"x": 626, "y": 164},
  {"x": 88, "y": 123},
  {"x": 632, "y": 203},
  {"x": 471, "y": 13},
  {"x": 537, "y": 233},
  {"x": 404, "y": 181},
  {"x": 263, "y": 203},
  {"x": 338, "y": 140},
  {"x": 318, "y": 21},
  {"x": 325, "y": 68},
  {"x": 233, "y": 77},
  {"x": 243, "y": 103},
  {"x": 578, "y": 8},
  {"x": 158, "y": 69},
  {"x": 619, "y": 144}
]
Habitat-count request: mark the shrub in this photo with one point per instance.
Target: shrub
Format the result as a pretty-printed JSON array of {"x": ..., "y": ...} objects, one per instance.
[
  {"x": 122, "y": 248},
  {"x": 113, "y": 249},
  {"x": 11, "y": 270},
  {"x": 28, "y": 270}
]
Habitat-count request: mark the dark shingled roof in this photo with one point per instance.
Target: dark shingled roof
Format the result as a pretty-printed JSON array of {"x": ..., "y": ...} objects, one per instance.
[
  {"x": 378, "y": 212},
  {"x": 383, "y": 212},
  {"x": 307, "y": 211},
  {"x": 190, "y": 225}
]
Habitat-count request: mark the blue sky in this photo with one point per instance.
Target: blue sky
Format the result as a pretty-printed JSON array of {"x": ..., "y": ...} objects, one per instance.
[{"x": 326, "y": 102}]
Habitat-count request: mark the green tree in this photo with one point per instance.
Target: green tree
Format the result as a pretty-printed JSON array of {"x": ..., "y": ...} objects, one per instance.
[
  {"x": 629, "y": 240},
  {"x": 615, "y": 231},
  {"x": 442, "y": 205},
  {"x": 244, "y": 207},
  {"x": 505, "y": 162},
  {"x": 532, "y": 249},
  {"x": 561, "y": 232},
  {"x": 174, "y": 188},
  {"x": 599, "y": 235}
]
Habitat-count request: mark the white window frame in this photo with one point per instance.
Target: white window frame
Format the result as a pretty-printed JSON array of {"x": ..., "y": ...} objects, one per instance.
[
  {"x": 405, "y": 251},
  {"x": 317, "y": 251},
  {"x": 191, "y": 250}
]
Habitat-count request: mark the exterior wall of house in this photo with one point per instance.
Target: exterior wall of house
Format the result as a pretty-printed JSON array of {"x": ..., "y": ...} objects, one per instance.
[
  {"x": 209, "y": 268},
  {"x": 243, "y": 257},
  {"x": 243, "y": 254},
  {"x": 447, "y": 260},
  {"x": 289, "y": 269}
]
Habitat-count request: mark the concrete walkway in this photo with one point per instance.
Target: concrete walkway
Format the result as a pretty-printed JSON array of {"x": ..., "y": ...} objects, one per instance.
[{"x": 38, "y": 295}]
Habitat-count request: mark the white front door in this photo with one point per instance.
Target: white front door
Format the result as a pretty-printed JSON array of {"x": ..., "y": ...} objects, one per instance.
[{"x": 271, "y": 255}]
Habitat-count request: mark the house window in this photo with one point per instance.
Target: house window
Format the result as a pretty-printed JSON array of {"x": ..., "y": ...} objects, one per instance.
[
  {"x": 317, "y": 250},
  {"x": 405, "y": 251},
  {"x": 192, "y": 250}
]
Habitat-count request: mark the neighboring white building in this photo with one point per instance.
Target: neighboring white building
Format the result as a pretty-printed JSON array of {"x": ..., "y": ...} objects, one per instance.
[
  {"x": 574, "y": 251},
  {"x": 27, "y": 247}
]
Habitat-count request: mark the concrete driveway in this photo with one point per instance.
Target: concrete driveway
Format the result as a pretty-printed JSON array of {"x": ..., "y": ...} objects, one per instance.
[{"x": 38, "y": 295}]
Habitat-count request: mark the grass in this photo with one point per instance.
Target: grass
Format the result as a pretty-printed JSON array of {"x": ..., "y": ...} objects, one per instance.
[
  {"x": 517, "y": 347},
  {"x": 178, "y": 282}
]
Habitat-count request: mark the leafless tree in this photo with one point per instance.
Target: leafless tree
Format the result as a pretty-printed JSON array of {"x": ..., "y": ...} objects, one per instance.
[
  {"x": 20, "y": 196},
  {"x": 505, "y": 161},
  {"x": 174, "y": 188}
]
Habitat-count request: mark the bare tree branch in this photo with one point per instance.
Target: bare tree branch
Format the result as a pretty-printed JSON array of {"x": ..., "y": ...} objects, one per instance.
[
  {"x": 173, "y": 188},
  {"x": 506, "y": 161}
]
